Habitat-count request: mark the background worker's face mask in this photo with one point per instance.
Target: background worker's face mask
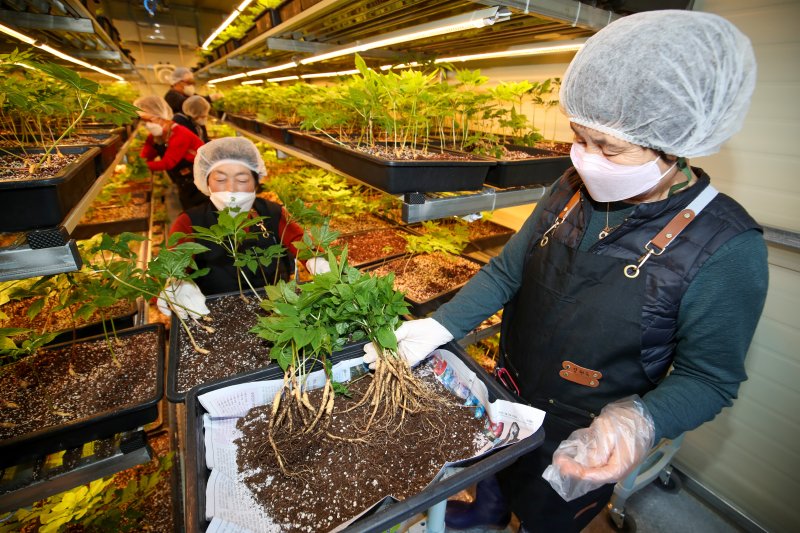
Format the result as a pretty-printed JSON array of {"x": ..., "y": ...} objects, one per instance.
[
  {"x": 607, "y": 181},
  {"x": 157, "y": 130},
  {"x": 242, "y": 200},
  {"x": 188, "y": 90}
]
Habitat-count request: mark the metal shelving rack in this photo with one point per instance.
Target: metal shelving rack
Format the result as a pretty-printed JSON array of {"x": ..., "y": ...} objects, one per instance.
[{"x": 24, "y": 261}]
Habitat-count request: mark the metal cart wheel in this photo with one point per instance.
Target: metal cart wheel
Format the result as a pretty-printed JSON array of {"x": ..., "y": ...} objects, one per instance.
[
  {"x": 621, "y": 521},
  {"x": 669, "y": 480}
]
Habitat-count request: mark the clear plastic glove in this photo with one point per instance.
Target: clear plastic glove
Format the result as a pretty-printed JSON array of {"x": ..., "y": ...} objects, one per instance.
[
  {"x": 605, "y": 452},
  {"x": 317, "y": 265},
  {"x": 187, "y": 296},
  {"x": 416, "y": 339}
]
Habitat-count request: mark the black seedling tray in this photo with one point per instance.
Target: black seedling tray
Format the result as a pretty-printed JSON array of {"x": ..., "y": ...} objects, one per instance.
[
  {"x": 276, "y": 132},
  {"x": 99, "y": 426},
  {"x": 176, "y": 334},
  {"x": 401, "y": 176},
  {"x": 520, "y": 172},
  {"x": 109, "y": 147},
  {"x": 386, "y": 516},
  {"x": 422, "y": 309},
  {"x": 308, "y": 142},
  {"x": 245, "y": 123},
  {"x": 382, "y": 259},
  {"x": 44, "y": 203}
]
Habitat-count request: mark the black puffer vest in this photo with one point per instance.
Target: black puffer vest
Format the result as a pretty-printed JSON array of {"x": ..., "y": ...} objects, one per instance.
[
  {"x": 668, "y": 275},
  {"x": 221, "y": 277}
]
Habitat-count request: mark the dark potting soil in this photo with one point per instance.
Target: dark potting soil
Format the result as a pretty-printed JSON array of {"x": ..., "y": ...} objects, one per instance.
[
  {"x": 556, "y": 146},
  {"x": 372, "y": 245},
  {"x": 352, "y": 224},
  {"x": 343, "y": 479},
  {"x": 412, "y": 154},
  {"x": 13, "y": 168},
  {"x": 425, "y": 276},
  {"x": 233, "y": 349},
  {"x": 61, "y": 320},
  {"x": 58, "y": 386}
]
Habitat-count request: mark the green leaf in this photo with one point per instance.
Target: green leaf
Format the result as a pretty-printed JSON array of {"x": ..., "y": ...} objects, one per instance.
[{"x": 386, "y": 338}]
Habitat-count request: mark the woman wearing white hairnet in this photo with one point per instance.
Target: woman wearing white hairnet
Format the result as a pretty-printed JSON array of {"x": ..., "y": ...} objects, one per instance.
[
  {"x": 169, "y": 147},
  {"x": 228, "y": 172},
  {"x": 194, "y": 116},
  {"x": 631, "y": 264},
  {"x": 182, "y": 87}
]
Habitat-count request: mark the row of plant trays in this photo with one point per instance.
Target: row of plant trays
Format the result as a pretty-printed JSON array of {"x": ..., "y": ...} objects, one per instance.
[
  {"x": 68, "y": 394},
  {"x": 446, "y": 170},
  {"x": 44, "y": 199}
]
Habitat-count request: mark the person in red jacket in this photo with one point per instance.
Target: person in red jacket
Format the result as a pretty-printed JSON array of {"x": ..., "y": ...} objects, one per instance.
[
  {"x": 174, "y": 145},
  {"x": 228, "y": 171}
]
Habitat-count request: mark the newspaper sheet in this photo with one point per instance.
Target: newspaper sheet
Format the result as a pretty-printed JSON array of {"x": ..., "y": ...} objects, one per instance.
[{"x": 506, "y": 423}]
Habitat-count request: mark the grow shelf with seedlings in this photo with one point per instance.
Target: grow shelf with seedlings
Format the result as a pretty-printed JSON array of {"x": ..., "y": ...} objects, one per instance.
[
  {"x": 450, "y": 367},
  {"x": 68, "y": 394}
]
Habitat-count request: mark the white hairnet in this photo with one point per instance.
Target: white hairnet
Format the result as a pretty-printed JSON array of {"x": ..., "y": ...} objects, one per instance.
[
  {"x": 180, "y": 74},
  {"x": 226, "y": 150},
  {"x": 675, "y": 81},
  {"x": 195, "y": 106},
  {"x": 154, "y": 105}
]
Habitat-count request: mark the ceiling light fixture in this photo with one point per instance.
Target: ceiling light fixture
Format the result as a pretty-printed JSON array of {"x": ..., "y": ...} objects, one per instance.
[
  {"x": 401, "y": 65},
  {"x": 267, "y": 70},
  {"x": 284, "y": 78},
  {"x": 228, "y": 78},
  {"x": 524, "y": 50},
  {"x": 228, "y": 21},
  {"x": 50, "y": 50},
  {"x": 252, "y": 82},
  {"x": 467, "y": 21},
  {"x": 329, "y": 74}
]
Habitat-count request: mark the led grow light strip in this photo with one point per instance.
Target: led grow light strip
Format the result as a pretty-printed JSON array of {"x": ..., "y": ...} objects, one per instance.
[
  {"x": 329, "y": 74},
  {"x": 228, "y": 22},
  {"x": 49, "y": 49},
  {"x": 252, "y": 82},
  {"x": 284, "y": 78},
  {"x": 566, "y": 46},
  {"x": 254, "y": 73},
  {"x": 467, "y": 21}
]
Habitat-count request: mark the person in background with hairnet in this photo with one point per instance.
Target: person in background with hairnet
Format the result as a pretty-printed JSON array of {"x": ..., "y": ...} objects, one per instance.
[
  {"x": 182, "y": 87},
  {"x": 228, "y": 172},
  {"x": 194, "y": 116},
  {"x": 630, "y": 265},
  {"x": 173, "y": 145}
]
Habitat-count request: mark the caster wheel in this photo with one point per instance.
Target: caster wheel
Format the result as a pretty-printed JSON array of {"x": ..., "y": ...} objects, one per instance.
[
  {"x": 673, "y": 485},
  {"x": 628, "y": 523}
]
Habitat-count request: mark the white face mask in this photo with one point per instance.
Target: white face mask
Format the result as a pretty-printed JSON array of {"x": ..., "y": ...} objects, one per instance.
[
  {"x": 188, "y": 90},
  {"x": 200, "y": 121},
  {"x": 607, "y": 181},
  {"x": 156, "y": 129},
  {"x": 242, "y": 200}
]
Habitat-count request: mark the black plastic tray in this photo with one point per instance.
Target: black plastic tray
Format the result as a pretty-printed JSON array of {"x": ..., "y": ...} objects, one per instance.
[
  {"x": 519, "y": 172},
  {"x": 308, "y": 142},
  {"x": 245, "y": 123},
  {"x": 387, "y": 516},
  {"x": 32, "y": 204},
  {"x": 382, "y": 259},
  {"x": 422, "y": 309},
  {"x": 99, "y": 426},
  {"x": 396, "y": 177},
  {"x": 276, "y": 132},
  {"x": 176, "y": 331}
]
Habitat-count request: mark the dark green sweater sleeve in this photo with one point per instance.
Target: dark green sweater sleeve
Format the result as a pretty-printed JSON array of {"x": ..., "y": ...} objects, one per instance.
[
  {"x": 716, "y": 322},
  {"x": 493, "y": 286}
]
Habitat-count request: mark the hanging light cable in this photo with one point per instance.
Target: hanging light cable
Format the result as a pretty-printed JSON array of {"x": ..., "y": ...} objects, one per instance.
[{"x": 50, "y": 50}]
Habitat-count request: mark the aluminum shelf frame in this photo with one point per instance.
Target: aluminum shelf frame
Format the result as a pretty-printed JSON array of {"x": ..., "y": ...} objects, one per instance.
[
  {"x": 418, "y": 207},
  {"x": 23, "y": 261},
  {"x": 32, "y": 481}
]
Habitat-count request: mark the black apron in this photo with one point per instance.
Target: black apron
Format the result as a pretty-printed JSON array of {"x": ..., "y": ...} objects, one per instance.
[
  {"x": 182, "y": 175},
  {"x": 571, "y": 339},
  {"x": 223, "y": 276}
]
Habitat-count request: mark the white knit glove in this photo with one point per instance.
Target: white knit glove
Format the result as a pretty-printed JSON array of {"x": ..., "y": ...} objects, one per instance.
[
  {"x": 186, "y": 295},
  {"x": 317, "y": 265},
  {"x": 605, "y": 452},
  {"x": 416, "y": 339}
]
